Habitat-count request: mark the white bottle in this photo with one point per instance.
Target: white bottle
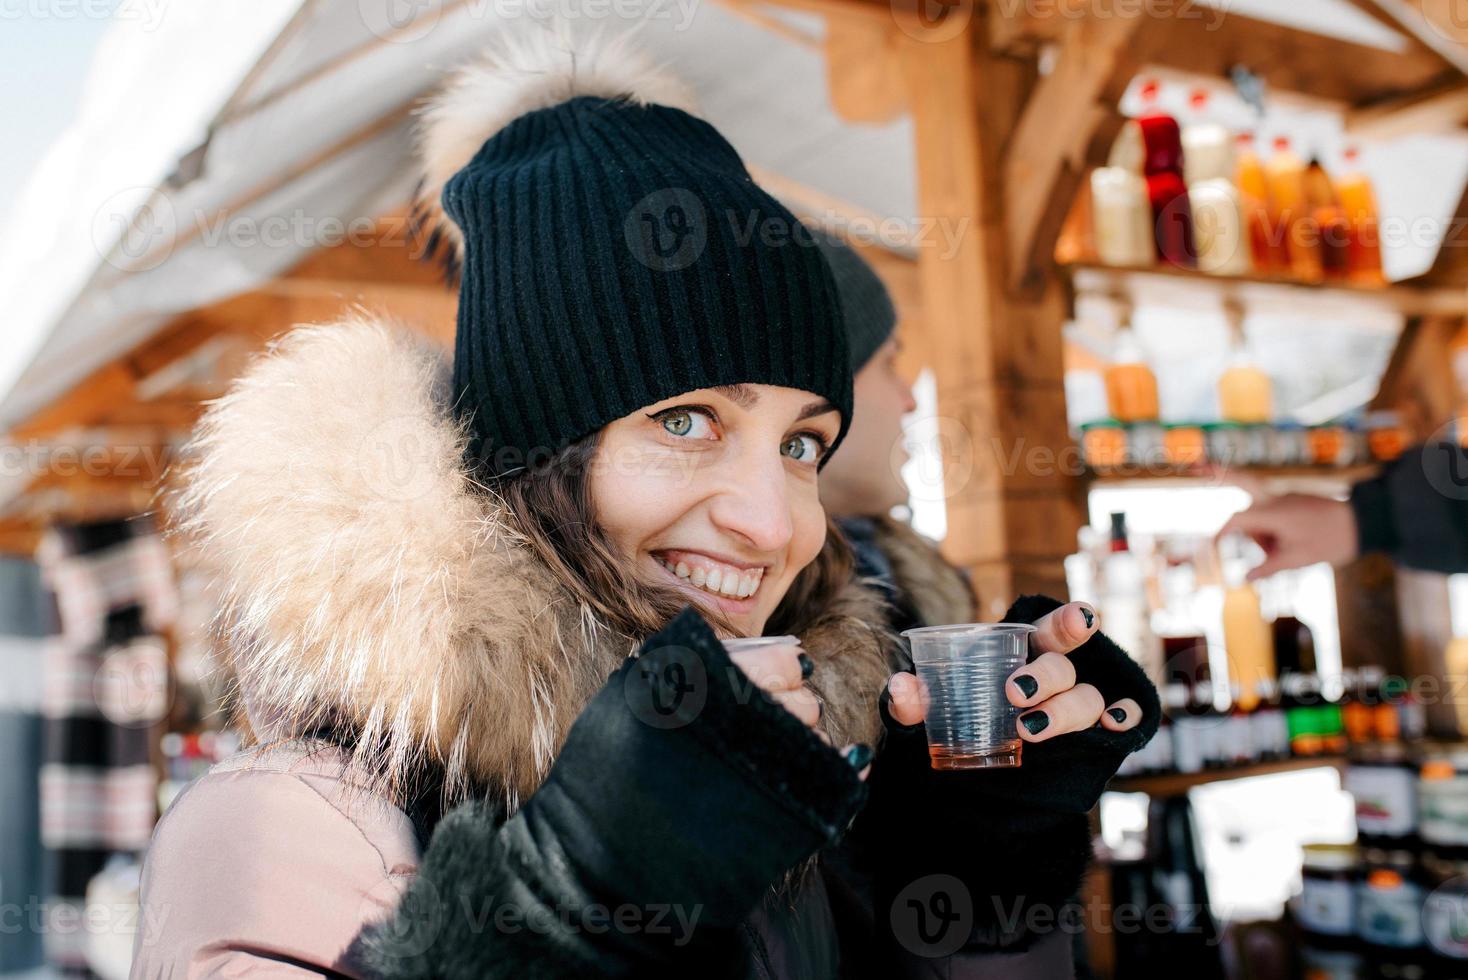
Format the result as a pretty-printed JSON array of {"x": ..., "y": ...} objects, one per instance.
[{"x": 1121, "y": 215}]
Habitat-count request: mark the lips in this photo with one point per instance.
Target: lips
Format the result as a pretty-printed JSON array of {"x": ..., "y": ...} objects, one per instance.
[{"x": 711, "y": 575}]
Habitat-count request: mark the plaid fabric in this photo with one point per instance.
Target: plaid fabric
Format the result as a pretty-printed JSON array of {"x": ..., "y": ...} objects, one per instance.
[{"x": 104, "y": 687}]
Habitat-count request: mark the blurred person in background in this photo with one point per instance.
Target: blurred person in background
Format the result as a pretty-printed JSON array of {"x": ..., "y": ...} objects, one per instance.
[{"x": 1415, "y": 511}]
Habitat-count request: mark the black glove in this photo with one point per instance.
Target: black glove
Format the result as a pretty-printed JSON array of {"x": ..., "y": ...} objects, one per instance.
[
  {"x": 681, "y": 792},
  {"x": 1009, "y": 845}
]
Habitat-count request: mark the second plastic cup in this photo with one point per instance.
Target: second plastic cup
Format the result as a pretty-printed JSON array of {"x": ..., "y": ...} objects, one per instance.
[{"x": 970, "y": 722}]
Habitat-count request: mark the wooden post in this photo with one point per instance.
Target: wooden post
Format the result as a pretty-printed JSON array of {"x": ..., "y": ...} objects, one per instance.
[{"x": 1010, "y": 469}]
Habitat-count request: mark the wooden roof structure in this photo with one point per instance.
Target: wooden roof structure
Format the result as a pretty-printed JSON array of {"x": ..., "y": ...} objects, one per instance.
[{"x": 1009, "y": 104}]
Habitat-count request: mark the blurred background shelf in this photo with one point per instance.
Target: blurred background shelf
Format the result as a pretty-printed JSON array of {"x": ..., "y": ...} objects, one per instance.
[{"x": 1177, "y": 783}]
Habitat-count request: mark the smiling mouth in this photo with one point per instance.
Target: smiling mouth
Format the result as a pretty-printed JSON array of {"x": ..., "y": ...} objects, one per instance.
[{"x": 711, "y": 576}]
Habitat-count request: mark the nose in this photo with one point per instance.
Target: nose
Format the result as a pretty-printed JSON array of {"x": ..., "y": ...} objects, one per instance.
[
  {"x": 909, "y": 400},
  {"x": 754, "y": 507}
]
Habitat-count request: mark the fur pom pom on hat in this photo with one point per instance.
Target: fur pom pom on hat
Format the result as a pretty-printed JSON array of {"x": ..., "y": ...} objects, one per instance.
[
  {"x": 612, "y": 251},
  {"x": 524, "y": 72}
]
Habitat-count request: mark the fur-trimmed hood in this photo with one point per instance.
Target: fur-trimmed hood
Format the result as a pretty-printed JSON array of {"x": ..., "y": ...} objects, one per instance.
[{"x": 366, "y": 577}]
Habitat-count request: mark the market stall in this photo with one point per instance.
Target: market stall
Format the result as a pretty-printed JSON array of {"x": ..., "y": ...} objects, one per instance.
[{"x": 1103, "y": 300}]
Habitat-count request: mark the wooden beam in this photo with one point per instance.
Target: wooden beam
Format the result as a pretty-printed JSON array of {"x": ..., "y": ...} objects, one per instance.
[
  {"x": 1011, "y": 512},
  {"x": 1418, "y": 381},
  {"x": 1440, "y": 108},
  {"x": 1397, "y": 17},
  {"x": 1210, "y": 41},
  {"x": 863, "y": 71},
  {"x": 257, "y": 315},
  {"x": 1287, "y": 59},
  {"x": 1435, "y": 24},
  {"x": 1068, "y": 123}
]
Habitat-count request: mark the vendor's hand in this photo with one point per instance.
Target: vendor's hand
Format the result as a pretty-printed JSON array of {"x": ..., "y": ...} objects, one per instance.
[
  {"x": 781, "y": 672},
  {"x": 1297, "y": 529},
  {"x": 1046, "y": 685}
]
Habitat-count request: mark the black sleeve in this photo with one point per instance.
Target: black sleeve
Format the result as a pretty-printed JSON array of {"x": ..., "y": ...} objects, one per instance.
[
  {"x": 1416, "y": 511},
  {"x": 996, "y": 854},
  {"x": 680, "y": 795}
]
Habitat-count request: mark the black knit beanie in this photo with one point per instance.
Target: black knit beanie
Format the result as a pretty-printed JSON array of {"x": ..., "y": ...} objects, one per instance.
[
  {"x": 866, "y": 305},
  {"x": 615, "y": 253}
]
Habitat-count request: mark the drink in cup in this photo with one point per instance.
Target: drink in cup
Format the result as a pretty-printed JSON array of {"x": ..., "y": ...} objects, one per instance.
[{"x": 970, "y": 722}]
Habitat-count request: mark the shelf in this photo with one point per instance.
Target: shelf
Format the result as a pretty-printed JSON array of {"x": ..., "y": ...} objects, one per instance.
[
  {"x": 1164, "y": 476},
  {"x": 1405, "y": 299},
  {"x": 1175, "y": 784}
]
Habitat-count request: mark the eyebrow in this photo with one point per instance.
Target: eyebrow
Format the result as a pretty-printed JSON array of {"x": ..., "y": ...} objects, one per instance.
[{"x": 746, "y": 397}]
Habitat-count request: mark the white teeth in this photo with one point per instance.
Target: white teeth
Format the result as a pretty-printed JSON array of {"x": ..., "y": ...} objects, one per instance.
[{"x": 732, "y": 582}]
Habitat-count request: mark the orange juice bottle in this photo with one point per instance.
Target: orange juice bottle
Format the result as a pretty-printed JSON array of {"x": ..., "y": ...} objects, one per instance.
[
  {"x": 1245, "y": 393},
  {"x": 1266, "y": 239},
  {"x": 1358, "y": 205},
  {"x": 1455, "y": 657},
  {"x": 1131, "y": 387},
  {"x": 1285, "y": 173}
]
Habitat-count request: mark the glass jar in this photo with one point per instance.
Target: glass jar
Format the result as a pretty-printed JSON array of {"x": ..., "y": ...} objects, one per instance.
[
  {"x": 1389, "y": 897},
  {"x": 1103, "y": 444},
  {"x": 1328, "y": 444},
  {"x": 1386, "y": 438},
  {"x": 1145, "y": 446},
  {"x": 1442, "y": 800},
  {"x": 1225, "y": 443},
  {"x": 1183, "y": 444},
  {"x": 1445, "y": 913},
  {"x": 1384, "y": 785},
  {"x": 1326, "y": 904}
]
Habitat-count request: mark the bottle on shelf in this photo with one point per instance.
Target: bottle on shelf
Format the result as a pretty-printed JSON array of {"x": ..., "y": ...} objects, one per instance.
[
  {"x": 1358, "y": 205},
  {"x": 1245, "y": 393},
  {"x": 1328, "y": 221},
  {"x": 1220, "y": 228},
  {"x": 1455, "y": 656},
  {"x": 1121, "y": 218},
  {"x": 1124, "y": 606},
  {"x": 1285, "y": 173},
  {"x": 1131, "y": 387},
  {"x": 1248, "y": 640},
  {"x": 1266, "y": 236}
]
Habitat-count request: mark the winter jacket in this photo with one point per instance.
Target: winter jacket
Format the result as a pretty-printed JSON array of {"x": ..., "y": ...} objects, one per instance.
[
  {"x": 1416, "y": 510},
  {"x": 402, "y": 654}
]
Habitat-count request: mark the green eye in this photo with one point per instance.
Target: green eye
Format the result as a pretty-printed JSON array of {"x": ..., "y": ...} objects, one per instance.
[
  {"x": 679, "y": 424},
  {"x": 803, "y": 448}
]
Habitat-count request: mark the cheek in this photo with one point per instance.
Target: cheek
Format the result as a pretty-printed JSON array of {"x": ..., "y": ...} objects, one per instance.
[
  {"x": 808, "y": 519},
  {"x": 635, "y": 496}
]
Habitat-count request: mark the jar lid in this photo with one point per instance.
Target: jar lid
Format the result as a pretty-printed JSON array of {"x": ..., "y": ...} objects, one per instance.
[{"x": 1330, "y": 857}]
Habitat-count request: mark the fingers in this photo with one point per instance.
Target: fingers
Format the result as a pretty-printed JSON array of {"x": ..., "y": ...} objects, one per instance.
[
  {"x": 1046, "y": 676},
  {"x": 860, "y": 757},
  {"x": 775, "y": 668},
  {"x": 1069, "y": 711},
  {"x": 1066, "y": 628},
  {"x": 1121, "y": 716},
  {"x": 907, "y": 699}
]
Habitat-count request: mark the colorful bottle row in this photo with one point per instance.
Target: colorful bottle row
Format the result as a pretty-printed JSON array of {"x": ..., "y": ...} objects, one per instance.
[
  {"x": 1109, "y": 445},
  {"x": 1197, "y": 196}
]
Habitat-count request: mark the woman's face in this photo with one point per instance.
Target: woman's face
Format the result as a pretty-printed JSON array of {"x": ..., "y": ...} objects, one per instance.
[{"x": 714, "y": 493}]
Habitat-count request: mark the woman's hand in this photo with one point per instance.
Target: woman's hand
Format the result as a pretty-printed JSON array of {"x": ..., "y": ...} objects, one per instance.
[
  {"x": 781, "y": 672},
  {"x": 1046, "y": 685}
]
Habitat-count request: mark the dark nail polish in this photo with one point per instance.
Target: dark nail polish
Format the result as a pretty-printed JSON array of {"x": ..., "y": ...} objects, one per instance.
[
  {"x": 1090, "y": 617},
  {"x": 807, "y": 667},
  {"x": 1118, "y": 713},
  {"x": 860, "y": 756},
  {"x": 1027, "y": 685},
  {"x": 1035, "y": 722}
]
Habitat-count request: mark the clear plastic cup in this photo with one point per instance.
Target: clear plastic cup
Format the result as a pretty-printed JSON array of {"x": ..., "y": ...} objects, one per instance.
[
  {"x": 744, "y": 644},
  {"x": 971, "y": 724}
]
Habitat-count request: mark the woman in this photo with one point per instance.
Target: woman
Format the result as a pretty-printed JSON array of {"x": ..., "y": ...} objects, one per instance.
[{"x": 435, "y": 574}]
